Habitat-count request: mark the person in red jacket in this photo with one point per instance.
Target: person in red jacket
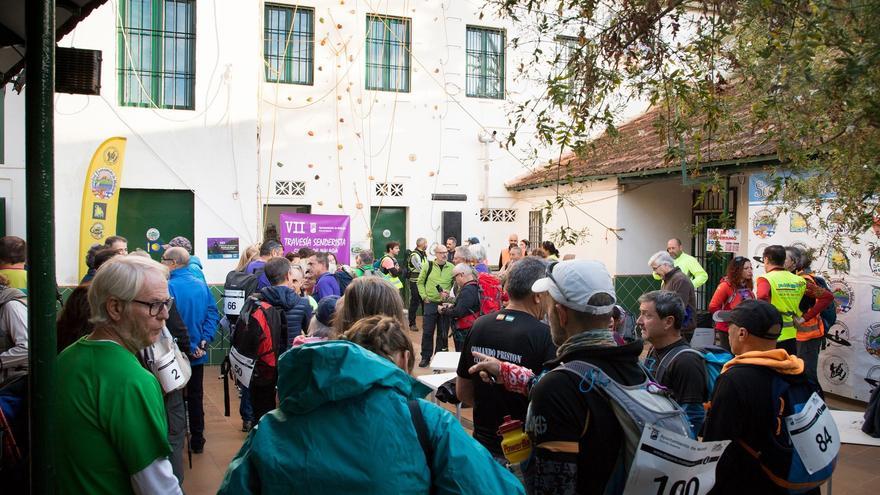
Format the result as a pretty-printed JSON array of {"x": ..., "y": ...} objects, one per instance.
[{"x": 735, "y": 287}]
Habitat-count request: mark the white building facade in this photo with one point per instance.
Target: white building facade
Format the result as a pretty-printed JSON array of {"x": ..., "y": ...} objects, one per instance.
[{"x": 390, "y": 113}]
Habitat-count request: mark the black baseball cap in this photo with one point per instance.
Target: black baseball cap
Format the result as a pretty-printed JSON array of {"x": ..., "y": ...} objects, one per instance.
[{"x": 759, "y": 318}]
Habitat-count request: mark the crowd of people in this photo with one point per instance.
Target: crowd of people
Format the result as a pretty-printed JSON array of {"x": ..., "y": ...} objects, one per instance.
[{"x": 323, "y": 358}]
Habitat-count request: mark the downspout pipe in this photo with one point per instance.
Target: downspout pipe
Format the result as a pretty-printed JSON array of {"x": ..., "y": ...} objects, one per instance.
[{"x": 40, "y": 207}]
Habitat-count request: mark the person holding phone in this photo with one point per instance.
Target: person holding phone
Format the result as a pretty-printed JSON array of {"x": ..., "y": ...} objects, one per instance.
[{"x": 434, "y": 283}]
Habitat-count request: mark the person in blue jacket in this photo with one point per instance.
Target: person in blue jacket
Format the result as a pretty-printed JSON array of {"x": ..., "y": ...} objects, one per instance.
[
  {"x": 344, "y": 426},
  {"x": 199, "y": 311},
  {"x": 195, "y": 264}
]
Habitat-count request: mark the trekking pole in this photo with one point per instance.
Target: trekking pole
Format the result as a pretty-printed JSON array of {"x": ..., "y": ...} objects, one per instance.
[{"x": 189, "y": 451}]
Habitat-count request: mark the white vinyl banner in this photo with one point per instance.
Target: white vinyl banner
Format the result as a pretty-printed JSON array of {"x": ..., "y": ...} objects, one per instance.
[{"x": 853, "y": 274}]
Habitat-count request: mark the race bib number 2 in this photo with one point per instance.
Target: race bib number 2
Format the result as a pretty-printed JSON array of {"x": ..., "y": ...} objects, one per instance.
[
  {"x": 667, "y": 463},
  {"x": 814, "y": 434}
]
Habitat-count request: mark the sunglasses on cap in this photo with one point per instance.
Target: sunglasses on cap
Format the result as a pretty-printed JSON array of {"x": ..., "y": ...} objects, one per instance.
[{"x": 548, "y": 272}]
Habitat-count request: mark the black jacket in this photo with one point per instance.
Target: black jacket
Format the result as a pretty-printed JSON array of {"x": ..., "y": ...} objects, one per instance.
[
  {"x": 178, "y": 330},
  {"x": 559, "y": 413},
  {"x": 467, "y": 301},
  {"x": 297, "y": 310}
]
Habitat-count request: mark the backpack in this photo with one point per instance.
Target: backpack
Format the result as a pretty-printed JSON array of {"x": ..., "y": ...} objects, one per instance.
[
  {"x": 377, "y": 265},
  {"x": 778, "y": 457},
  {"x": 365, "y": 271},
  {"x": 871, "y": 426},
  {"x": 627, "y": 327},
  {"x": 491, "y": 293},
  {"x": 490, "y": 299},
  {"x": 14, "y": 440},
  {"x": 236, "y": 290},
  {"x": 344, "y": 275},
  {"x": 714, "y": 359},
  {"x": 634, "y": 408},
  {"x": 251, "y": 361},
  {"x": 829, "y": 314}
]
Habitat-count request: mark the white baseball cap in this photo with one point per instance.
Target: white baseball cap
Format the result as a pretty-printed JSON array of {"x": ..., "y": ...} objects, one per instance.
[{"x": 573, "y": 283}]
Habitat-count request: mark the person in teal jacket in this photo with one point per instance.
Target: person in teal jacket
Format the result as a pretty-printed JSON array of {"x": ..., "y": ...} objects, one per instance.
[
  {"x": 344, "y": 426},
  {"x": 688, "y": 264}
]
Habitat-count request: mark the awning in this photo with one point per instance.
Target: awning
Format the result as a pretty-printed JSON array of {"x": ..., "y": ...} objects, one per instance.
[{"x": 13, "y": 40}]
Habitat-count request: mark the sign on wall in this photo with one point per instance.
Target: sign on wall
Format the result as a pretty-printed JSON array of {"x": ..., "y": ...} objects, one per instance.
[
  {"x": 322, "y": 233},
  {"x": 853, "y": 274},
  {"x": 222, "y": 248},
  {"x": 724, "y": 240}
]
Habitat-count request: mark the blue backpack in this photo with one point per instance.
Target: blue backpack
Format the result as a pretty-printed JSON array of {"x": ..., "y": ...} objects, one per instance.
[
  {"x": 777, "y": 456},
  {"x": 714, "y": 358}
]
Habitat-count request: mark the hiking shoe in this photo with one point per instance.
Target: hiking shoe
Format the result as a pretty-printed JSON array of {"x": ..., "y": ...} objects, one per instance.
[
  {"x": 413, "y": 328},
  {"x": 423, "y": 363},
  {"x": 247, "y": 425}
]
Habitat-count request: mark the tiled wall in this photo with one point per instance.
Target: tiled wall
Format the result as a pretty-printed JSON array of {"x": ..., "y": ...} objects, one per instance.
[{"x": 630, "y": 287}]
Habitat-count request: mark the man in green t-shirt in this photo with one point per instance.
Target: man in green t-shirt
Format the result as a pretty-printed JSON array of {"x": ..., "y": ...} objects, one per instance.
[{"x": 112, "y": 432}]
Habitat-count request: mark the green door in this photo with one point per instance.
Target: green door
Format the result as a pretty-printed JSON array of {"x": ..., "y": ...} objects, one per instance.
[
  {"x": 389, "y": 224},
  {"x": 168, "y": 211}
]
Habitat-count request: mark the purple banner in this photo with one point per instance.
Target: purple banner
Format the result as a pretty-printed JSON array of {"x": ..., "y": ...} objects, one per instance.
[{"x": 323, "y": 233}]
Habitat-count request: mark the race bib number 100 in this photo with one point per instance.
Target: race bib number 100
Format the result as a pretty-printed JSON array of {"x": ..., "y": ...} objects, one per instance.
[
  {"x": 667, "y": 463},
  {"x": 814, "y": 434}
]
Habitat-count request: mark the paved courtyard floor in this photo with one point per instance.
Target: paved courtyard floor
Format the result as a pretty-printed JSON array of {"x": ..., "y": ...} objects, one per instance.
[{"x": 857, "y": 471}]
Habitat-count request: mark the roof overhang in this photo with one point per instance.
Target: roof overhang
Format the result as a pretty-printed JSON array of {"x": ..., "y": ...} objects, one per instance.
[
  {"x": 13, "y": 36},
  {"x": 724, "y": 167}
]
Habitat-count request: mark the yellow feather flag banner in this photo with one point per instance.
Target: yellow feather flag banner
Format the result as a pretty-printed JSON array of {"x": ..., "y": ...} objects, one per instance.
[{"x": 100, "y": 197}]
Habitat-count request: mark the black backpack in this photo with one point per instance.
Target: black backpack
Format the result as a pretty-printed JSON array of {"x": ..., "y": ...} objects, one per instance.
[
  {"x": 236, "y": 290},
  {"x": 343, "y": 276},
  {"x": 259, "y": 321}
]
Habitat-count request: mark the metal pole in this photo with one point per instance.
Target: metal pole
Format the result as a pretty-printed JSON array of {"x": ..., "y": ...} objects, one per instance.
[{"x": 40, "y": 204}]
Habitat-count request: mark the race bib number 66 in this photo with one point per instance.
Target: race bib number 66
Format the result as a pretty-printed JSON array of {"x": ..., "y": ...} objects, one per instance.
[{"x": 667, "y": 463}]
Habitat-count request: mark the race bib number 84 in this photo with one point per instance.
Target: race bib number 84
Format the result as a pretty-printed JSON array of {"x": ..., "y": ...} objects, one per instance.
[
  {"x": 814, "y": 434},
  {"x": 667, "y": 463}
]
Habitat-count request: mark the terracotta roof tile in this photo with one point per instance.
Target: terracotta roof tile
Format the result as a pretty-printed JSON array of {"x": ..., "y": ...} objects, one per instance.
[{"x": 639, "y": 147}]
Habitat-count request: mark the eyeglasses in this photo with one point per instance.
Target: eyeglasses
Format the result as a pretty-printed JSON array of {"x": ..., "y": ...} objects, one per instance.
[
  {"x": 156, "y": 307},
  {"x": 167, "y": 259},
  {"x": 549, "y": 274}
]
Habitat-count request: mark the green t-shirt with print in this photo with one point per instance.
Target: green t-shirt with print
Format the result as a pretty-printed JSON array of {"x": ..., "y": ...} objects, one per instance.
[{"x": 109, "y": 418}]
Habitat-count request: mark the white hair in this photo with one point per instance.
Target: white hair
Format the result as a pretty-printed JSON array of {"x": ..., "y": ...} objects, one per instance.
[
  {"x": 121, "y": 278},
  {"x": 465, "y": 268},
  {"x": 661, "y": 258},
  {"x": 478, "y": 251}
]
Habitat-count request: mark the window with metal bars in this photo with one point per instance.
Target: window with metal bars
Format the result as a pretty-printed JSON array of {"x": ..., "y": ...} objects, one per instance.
[
  {"x": 566, "y": 49},
  {"x": 156, "y": 66},
  {"x": 485, "y": 62},
  {"x": 289, "y": 45},
  {"x": 388, "y": 53},
  {"x": 536, "y": 228}
]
